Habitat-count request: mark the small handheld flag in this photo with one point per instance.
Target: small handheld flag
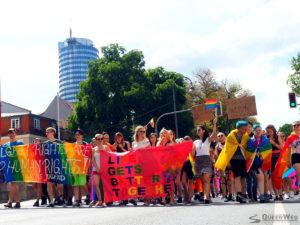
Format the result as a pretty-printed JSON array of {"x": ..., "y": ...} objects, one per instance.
[
  {"x": 211, "y": 104},
  {"x": 151, "y": 123}
]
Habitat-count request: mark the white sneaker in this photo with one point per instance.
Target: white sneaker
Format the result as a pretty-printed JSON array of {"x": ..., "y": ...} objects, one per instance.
[
  {"x": 291, "y": 194},
  {"x": 285, "y": 196}
]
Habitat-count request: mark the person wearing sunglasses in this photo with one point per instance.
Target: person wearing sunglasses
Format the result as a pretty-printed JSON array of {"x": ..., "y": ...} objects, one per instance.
[
  {"x": 276, "y": 149},
  {"x": 96, "y": 167},
  {"x": 140, "y": 139},
  {"x": 203, "y": 164}
]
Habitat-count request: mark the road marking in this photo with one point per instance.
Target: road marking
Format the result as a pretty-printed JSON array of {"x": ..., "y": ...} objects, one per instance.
[{"x": 279, "y": 210}]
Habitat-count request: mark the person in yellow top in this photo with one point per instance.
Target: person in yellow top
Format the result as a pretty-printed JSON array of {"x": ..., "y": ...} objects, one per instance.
[{"x": 233, "y": 156}]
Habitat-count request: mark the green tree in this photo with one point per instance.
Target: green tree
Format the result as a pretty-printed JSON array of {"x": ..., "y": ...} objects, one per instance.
[
  {"x": 294, "y": 79},
  {"x": 286, "y": 128},
  {"x": 120, "y": 94}
]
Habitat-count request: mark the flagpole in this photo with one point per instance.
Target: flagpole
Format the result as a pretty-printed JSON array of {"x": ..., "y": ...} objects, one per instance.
[{"x": 58, "y": 128}]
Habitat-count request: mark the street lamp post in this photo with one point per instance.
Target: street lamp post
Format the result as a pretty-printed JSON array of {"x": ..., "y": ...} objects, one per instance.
[{"x": 192, "y": 89}]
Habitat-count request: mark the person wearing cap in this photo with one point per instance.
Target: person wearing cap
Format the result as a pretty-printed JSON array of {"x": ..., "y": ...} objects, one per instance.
[
  {"x": 13, "y": 186},
  {"x": 234, "y": 156}
]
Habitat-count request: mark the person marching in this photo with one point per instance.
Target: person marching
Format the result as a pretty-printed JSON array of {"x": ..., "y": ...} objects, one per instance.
[
  {"x": 259, "y": 156},
  {"x": 13, "y": 186},
  {"x": 53, "y": 188},
  {"x": 96, "y": 168},
  {"x": 80, "y": 180},
  {"x": 233, "y": 155},
  {"x": 203, "y": 164}
]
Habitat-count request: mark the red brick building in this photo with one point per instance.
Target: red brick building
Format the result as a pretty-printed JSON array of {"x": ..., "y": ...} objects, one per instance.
[{"x": 27, "y": 125}]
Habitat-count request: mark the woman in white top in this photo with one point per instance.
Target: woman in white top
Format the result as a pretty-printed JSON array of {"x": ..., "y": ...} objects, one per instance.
[
  {"x": 203, "y": 165},
  {"x": 96, "y": 167},
  {"x": 139, "y": 138}
]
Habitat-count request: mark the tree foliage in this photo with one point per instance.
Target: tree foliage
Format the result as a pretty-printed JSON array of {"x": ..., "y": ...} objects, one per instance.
[
  {"x": 120, "y": 94},
  {"x": 294, "y": 78},
  {"x": 286, "y": 128},
  {"x": 208, "y": 87}
]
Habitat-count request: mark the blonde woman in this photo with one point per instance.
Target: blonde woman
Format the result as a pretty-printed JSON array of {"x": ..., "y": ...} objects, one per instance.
[
  {"x": 140, "y": 139},
  {"x": 96, "y": 167}
]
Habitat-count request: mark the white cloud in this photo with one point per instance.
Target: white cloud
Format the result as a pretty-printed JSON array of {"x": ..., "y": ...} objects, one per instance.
[{"x": 254, "y": 38}]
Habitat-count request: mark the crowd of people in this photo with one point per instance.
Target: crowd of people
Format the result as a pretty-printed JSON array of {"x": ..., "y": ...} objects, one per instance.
[{"x": 215, "y": 168}]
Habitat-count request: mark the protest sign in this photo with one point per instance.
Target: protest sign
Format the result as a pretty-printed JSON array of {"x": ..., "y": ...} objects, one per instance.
[
  {"x": 241, "y": 107},
  {"x": 142, "y": 173},
  {"x": 48, "y": 162},
  {"x": 201, "y": 114}
]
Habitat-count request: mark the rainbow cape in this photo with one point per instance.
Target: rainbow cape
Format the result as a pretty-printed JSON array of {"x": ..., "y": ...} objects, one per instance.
[
  {"x": 48, "y": 162},
  {"x": 265, "y": 149},
  {"x": 229, "y": 149},
  {"x": 211, "y": 103},
  {"x": 282, "y": 162}
]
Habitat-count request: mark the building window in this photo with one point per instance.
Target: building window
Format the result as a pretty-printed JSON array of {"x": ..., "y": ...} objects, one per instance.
[
  {"x": 15, "y": 123},
  {"x": 37, "y": 123}
]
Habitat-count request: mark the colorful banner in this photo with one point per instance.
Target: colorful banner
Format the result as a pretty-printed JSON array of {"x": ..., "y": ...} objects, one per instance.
[
  {"x": 142, "y": 173},
  {"x": 56, "y": 163}
]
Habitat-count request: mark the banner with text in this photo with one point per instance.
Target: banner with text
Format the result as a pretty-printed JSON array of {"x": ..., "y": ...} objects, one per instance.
[
  {"x": 47, "y": 162},
  {"x": 142, "y": 173}
]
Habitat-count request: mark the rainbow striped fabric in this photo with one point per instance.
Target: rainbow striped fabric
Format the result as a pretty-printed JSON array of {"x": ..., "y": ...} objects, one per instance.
[
  {"x": 265, "y": 149},
  {"x": 151, "y": 123},
  {"x": 282, "y": 163},
  {"x": 211, "y": 103},
  {"x": 48, "y": 162}
]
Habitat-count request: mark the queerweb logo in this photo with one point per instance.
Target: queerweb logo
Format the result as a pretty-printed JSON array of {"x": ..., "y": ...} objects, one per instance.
[{"x": 273, "y": 218}]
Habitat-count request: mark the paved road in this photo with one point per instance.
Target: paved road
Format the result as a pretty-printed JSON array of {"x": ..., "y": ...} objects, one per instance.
[{"x": 217, "y": 213}]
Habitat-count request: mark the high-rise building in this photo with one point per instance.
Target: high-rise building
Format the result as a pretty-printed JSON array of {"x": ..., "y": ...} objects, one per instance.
[{"x": 74, "y": 53}]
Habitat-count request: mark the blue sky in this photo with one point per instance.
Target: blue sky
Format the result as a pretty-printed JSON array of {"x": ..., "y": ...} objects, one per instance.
[{"x": 250, "y": 42}]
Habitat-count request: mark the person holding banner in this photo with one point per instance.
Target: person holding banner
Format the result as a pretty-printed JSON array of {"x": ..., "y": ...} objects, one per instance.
[
  {"x": 53, "y": 188},
  {"x": 153, "y": 139},
  {"x": 233, "y": 154},
  {"x": 13, "y": 186},
  {"x": 120, "y": 145},
  {"x": 80, "y": 180},
  {"x": 139, "y": 138},
  {"x": 96, "y": 167},
  {"x": 37, "y": 186},
  {"x": 203, "y": 164}
]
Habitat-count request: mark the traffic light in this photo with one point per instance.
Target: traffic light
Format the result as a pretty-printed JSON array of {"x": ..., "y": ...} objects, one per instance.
[{"x": 292, "y": 100}]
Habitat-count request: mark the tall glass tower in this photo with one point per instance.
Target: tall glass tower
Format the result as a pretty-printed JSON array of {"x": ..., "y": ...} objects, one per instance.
[{"x": 73, "y": 56}]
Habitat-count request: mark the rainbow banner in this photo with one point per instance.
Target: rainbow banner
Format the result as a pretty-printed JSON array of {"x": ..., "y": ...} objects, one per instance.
[
  {"x": 211, "y": 103},
  {"x": 147, "y": 172},
  {"x": 264, "y": 148},
  {"x": 48, "y": 162}
]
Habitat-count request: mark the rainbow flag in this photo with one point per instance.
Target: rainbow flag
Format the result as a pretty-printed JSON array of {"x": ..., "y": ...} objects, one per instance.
[
  {"x": 151, "y": 123},
  {"x": 265, "y": 149},
  {"x": 48, "y": 162},
  {"x": 282, "y": 162},
  {"x": 211, "y": 103}
]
